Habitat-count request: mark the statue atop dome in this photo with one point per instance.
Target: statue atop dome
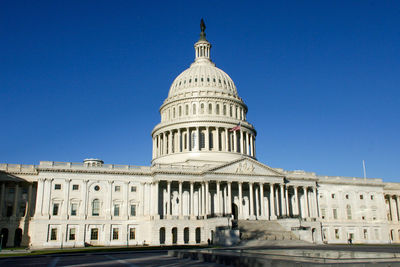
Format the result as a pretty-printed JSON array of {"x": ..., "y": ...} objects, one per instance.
[
  {"x": 202, "y": 28},
  {"x": 202, "y": 25}
]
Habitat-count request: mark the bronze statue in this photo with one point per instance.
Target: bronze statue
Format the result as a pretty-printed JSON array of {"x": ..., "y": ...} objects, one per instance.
[{"x": 202, "y": 25}]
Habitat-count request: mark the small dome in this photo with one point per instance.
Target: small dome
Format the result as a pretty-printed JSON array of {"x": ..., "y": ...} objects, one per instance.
[{"x": 203, "y": 75}]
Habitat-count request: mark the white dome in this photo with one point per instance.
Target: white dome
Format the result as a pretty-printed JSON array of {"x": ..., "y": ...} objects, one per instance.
[{"x": 200, "y": 76}]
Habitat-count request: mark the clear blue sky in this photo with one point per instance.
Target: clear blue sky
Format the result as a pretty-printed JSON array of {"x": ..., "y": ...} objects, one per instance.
[{"x": 85, "y": 79}]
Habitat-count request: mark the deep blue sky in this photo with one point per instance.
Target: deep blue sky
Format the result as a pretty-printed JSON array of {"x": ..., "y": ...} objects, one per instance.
[{"x": 85, "y": 79}]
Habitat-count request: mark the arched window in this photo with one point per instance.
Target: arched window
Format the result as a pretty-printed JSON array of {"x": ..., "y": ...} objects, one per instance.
[
  {"x": 180, "y": 111},
  {"x": 210, "y": 108},
  {"x": 173, "y": 113},
  {"x": 194, "y": 109},
  {"x": 348, "y": 211},
  {"x": 96, "y": 207},
  {"x": 230, "y": 111},
  {"x": 187, "y": 110},
  {"x": 201, "y": 108},
  {"x": 224, "y": 110},
  {"x": 217, "y": 109}
]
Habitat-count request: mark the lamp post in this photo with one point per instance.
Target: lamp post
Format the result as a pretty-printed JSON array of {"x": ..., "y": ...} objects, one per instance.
[{"x": 1, "y": 241}]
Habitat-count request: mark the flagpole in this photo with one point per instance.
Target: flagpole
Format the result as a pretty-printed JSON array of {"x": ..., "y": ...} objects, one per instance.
[{"x": 365, "y": 173}]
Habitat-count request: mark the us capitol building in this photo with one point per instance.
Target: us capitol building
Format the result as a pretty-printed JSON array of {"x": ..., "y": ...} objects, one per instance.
[{"x": 204, "y": 180}]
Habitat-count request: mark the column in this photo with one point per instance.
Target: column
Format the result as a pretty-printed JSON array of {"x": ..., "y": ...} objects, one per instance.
[
  {"x": 85, "y": 199},
  {"x": 216, "y": 147},
  {"x": 251, "y": 201},
  {"x": 234, "y": 141},
  {"x": 153, "y": 155},
  {"x": 262, "y": 213},
  {"x": 29, "y": 203},
  {"x": 240, "y": 213},
  {"x": 217, "y": 205},
  {"x": 287, "y": 200},
  {"x": 251, "y": 146},
  {"x": 47, "y": 200},
  {"x": 168, "y": 200},
  {"x": 180, "y": 149},
  {"x": 296, "y": 210},
  {"x": 229, "y": 198},
  {"x": 191, "y": 199},
  {"x": 198, "y": 139},
  {"x": 110, "y": 200},
  {"x": 397, "y": 207},
  {"x": 282, "y": 202},
  {"x": 247, "y": 143},
  {"x": 207, "y": 139},
  {"x": 180, "y": 199},
  {"x": 254, "y": 145},
  {"x": 15, "y": 204},
  {"x": 241, "y": 138},
  {"x": 158, "y": 145},
  {"x": 316, "y": 214},
  {"x": 306, "y": 199},
  {"x": 187, "y": 139},
  {"x": 393, "y": 209},
  {"x": 226, "y": 140},
  {"x": 165, "y": 142},
  {"x": 64, "y": 212},
  {"x": 170, "y": 142},
  {"x": 2, "y": 196},
  {"x": 272, "y": 200},
  {"x": 203, "y": 200},
  {"x": 207, "y": 203},
  {"x": 257, "y": 201},
  {"x": 156, "y": 199}
]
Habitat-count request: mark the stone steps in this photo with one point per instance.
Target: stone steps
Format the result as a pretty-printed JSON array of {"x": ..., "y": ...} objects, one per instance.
[{"x": 264, "y": 230}]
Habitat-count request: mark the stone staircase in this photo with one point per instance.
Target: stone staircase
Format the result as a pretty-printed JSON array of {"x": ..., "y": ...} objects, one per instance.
[{"x": 264, "y": 230}]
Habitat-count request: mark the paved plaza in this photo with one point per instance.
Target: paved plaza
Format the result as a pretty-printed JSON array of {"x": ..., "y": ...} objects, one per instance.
[{"x": 326, "y": 255}]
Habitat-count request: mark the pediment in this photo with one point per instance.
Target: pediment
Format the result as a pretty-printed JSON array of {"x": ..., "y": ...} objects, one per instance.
[{"x": 245, "y": 166}]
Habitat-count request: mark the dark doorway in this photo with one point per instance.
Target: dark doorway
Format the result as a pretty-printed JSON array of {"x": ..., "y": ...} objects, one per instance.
[
  {"x": 198, "y": 237},
  {"x": 162, "y": 236},
  {"x": 17, "y": 237},
  {"x": 174, "y": 235},
  {"x": 4, "y": 235},
  {"x": 186, "y": 235},
  {"x": 234, "y": 211}
]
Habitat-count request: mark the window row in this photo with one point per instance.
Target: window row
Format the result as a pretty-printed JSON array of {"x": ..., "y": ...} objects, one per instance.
[
  {"x": 347, "y": 196},
  {"x": 209, "y": 80},
  {"x": 117, "y": 188},
  {"x": 233, "y": 111},
  {"x": 95, "y": 209},
  {"x": 349, "y": 215},
  {"x": 94, "y": 234}
]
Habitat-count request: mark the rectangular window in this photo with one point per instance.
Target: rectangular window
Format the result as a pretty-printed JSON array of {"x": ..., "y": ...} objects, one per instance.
[
  {"x": 95, "y": 207},
  {"x": 333, "y": 196},
  {"x": 372, "y": 197},
  {"x": 335, "y": 214},
  {"x": 133, "y": 210},
  {"x": 337, "y": 234},
  {"x": 116, "y": 209},
  {"x": 55, "y": 209},
  {"x": 365, "y": 234},
  {"x": 323, "y": 213},
  {"x": 75, "y": 187},
  {"x": 74, "y": 208},
  {"x": 115, "y": 234},
  {"x": 53, "y": 234},
  {"x": 133, "y": 188},
  {"x": 361, "y": 197},
  {"x": 117, "y": 188},
  {"x": 72, "y": 234},
  {"x": 57, "y": 187},
  {"x": 94, "y": 234},
  {"x": 132, "y": 233}
]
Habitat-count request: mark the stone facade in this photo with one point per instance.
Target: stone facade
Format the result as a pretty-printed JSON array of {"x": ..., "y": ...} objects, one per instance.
[{"x": 204, "y": 177}]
